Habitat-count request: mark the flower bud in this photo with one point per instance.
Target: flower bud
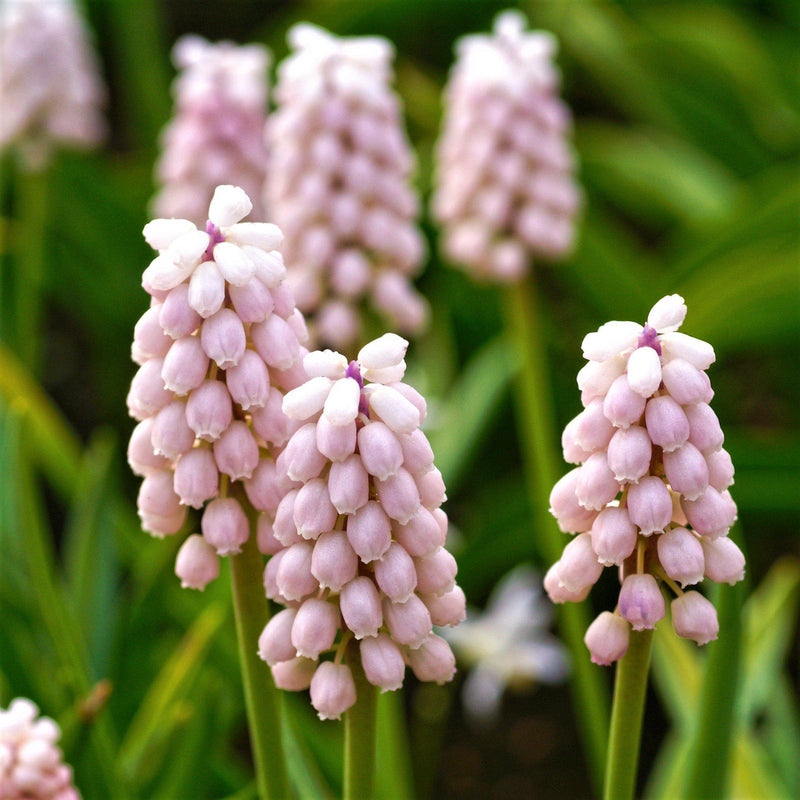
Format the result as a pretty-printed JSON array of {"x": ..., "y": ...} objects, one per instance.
[
  {"x": 185, "y": 365},
  {"x": 667, "y": 424},
  {"x": 335, "y": 442},
  {"x": 613, "y": 536},
  {"x": 390, "y": 406},
  {"x": 314, "y": 627},
  {"x": 649, "y": 505},
  {"x": 431, "y": 487},
  {"x": 720, "y": 469},
  {"x": 686, "y": 471},
  {"x": 333, "y": 562},
  {"x": 206, "y": 289},
  {"x": 283, "y": 526},
  {"x": 294, "y": 579},
  {"x": 579, "y": 564},
  {"x": 275, "y": 643},
  {"x": 196, "y": 478},
  {"x": 148, "y": 393},
  {"x": 399, "y": 496},
  {"x": 724, "y": 561},
  {"x": 236, "y": 451},
  {"x": 436, "y": 573},
  {"x": 369, "y": 532},
  {"x": 265, "y": 538},
  {"x": 447, "y": 609},
  {"x": 264, "y": 488},
  {"x": 301, "y": 460},
  {"x": 685, "y": 383},
  {"x": 421, "y": 535},
  {"x": 197, "y": 563},
  {"x": 276, "y": 342},
  {"x": 149, "y": 339},
  {"x": 156, "y": 495},
  {"x": 171, "y": 434},
  {"x": 225, "y": 526},
  {"x": 209, "y": 410},
  {"x": 360, "y": 604},
  {"x": 705, "y": 431},
  {"x": 348, "y": 485},
  {"x": 433, "y": 660},
  {"x": 641, "y": 601},
  {"x": 248, "y": 381},
  {"x": 332, "y": 690},
  {"x": 382, "y": 662},
  {"x": 681, "y": 556},
  {"x": 417, "y": 452},
  {"x": 176, "y": 317},
  {"x": 712, "y": 514},
  {"x": 252, "y": 301},
  {"x": 694, "y": 617},
  {"x": 629, "y": 453},
  {"x": 623, "y": 406},
  {"x": 409, "y": 623},
  {"x": 564, "y": 506},
  {"x": 313, "y": 511},
  {"x": 223, "y": 338},
  {"x": 556, "y": 590},
  {"x": 596, "y": 485},
  {"x": 295, "y": 674},
  {"x": 380, "y": 450},
  {"x": 270, "y": 423},
  {"x": 395, "y": 573},
  {"x": 607, "y": 638},
  {"x": 141, "y": 456}
]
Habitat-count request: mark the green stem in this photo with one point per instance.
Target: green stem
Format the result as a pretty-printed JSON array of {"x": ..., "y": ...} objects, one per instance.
[
  {"x": 29, "y": 262},
  {"x": 537, "y": 423},
  {"x": 359, "y": 738},
  {"x": 626, "y": 718},
  {"x": 260, "y": 695}
]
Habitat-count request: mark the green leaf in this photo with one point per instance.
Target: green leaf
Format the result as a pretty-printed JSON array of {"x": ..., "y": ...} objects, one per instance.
[
  {"x": 142, "y": 750},
  {"x": 468, "y": 409},
  {"x": 780, "y": 733}
]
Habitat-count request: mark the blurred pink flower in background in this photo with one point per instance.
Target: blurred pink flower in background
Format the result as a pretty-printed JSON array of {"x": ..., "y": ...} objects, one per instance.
[
  {"x": 217, "y": 134},
  {"x": 339, "y": 186}
]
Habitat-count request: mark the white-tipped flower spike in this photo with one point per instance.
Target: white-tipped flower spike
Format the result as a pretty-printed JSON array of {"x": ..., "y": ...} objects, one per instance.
[
  {"x": 505, "y": 191},
  {"x": 363, "y": 535},
  {"x": 506, "y": 645},
  {"x": 652, "y": 483},
  {"x": 208, "y": 402},
  {"x": 217, "y": 132},
  {"x": 339, "y": 186},
  {"x": 50, "y": 85},
  {"x": 31, "y": 764}
]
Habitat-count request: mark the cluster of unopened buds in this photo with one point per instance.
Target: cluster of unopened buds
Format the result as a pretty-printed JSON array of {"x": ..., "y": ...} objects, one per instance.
[
  {"x": 359, "y": 558},
  {"x": 651, "y": 493},
  {"x": 338, "y": 184},
  {"x": 218, "y": 346},
  {"x": 217, "y": 133},
  {"x": 31, "y": 763},
  {"x": 505, "y": 191}
]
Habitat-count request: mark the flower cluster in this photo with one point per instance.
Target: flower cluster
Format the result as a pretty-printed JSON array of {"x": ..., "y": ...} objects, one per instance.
[
  {"x": 338, "y": 185},
  {"x": 507, "y": 644},
  {"x": 31, "y": 764},
  {"x": 505, "y": 190},
  {"x": 651, "y": 492},
  {"x": 362, "y": 566},
  {"x": 50, "y": 85},
  {"x": 217, "y": 133},
  {"x": 218, "y": 345}
]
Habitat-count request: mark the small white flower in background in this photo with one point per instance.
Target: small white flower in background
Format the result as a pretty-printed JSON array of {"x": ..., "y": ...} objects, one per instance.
[
  {"x": 31, "y": 764},
  {"x": 508, "y": 644},
  {"x": 50, "y": 85},
  {"x": 217, "y": 133},
  {"x": 339, "y": 186},
  {"x": 505, "y": 191}
]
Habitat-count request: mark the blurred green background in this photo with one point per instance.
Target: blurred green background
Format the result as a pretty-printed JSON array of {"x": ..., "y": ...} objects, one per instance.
[{"x": 687, "y": 126}]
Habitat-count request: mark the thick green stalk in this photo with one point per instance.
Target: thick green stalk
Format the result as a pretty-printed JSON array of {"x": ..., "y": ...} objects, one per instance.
[
  {"x": 359, "y": 738},
  {"x": 29, "y": 262},
  {"x": 539, "y": 436},
  {"x": 260, "y": 695},
  {"x": 630, "y": 690}
]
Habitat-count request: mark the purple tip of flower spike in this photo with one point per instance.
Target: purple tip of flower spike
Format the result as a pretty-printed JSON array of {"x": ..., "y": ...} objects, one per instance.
[
  {"x": 649, "y": 338},
  {"x": 216, "y": 237},
  {"x": 354, "y": 372}
]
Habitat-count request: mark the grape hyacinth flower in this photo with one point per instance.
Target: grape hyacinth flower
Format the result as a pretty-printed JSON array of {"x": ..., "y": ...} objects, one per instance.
[
  {"x": 31, "y": 764},
  {"x": 217, "y": 133},
  {"x": 650, "y": 495},
  {"x": 50, "y": 85},
  {"x": 338, "y": 184},
  {"x": 363, "y": 571},
  {"x": 505, "y": 191},
  {"x": 217, "y": 348},
  {"x": 508, "y": 644}
]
